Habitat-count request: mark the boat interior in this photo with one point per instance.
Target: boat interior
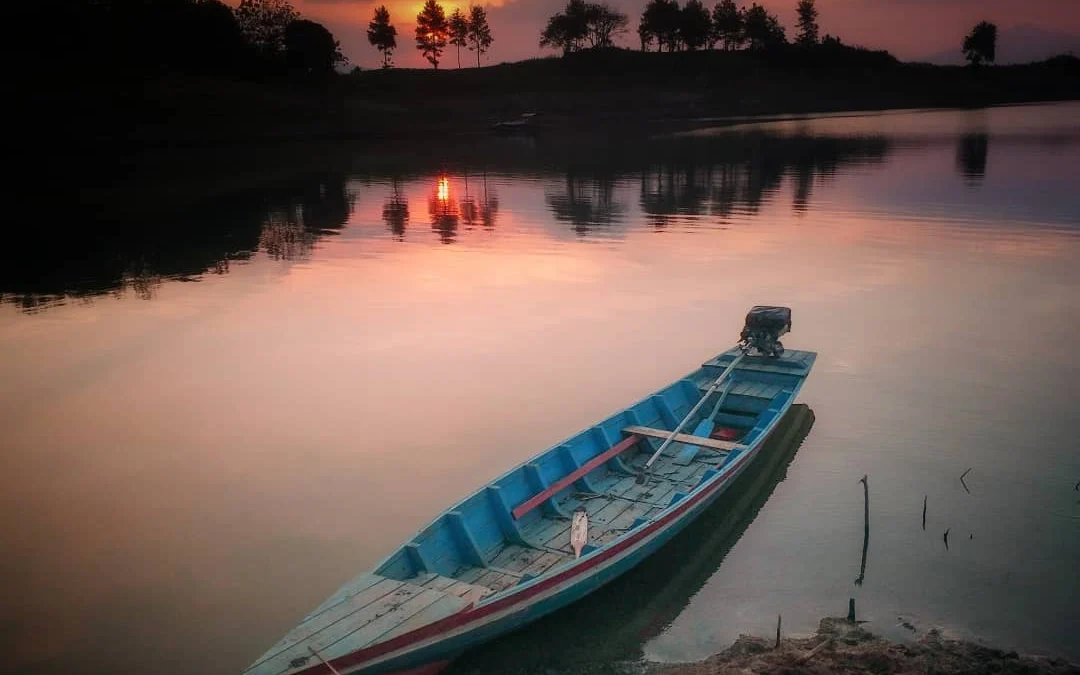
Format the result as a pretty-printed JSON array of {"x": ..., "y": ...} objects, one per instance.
[{"x": 517, "y": 528}]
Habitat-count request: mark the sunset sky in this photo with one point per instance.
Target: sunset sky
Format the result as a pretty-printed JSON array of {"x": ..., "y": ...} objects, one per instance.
[{"x": 910, "y": 29}]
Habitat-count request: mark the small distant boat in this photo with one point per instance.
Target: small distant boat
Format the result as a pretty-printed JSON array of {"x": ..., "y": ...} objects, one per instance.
[
  {"x": 524, "y": 122},
  {"x": 558, "y": 526}
]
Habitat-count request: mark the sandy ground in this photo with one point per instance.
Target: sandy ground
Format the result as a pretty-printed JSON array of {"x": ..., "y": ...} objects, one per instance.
[{"x": 843, "y": 647}]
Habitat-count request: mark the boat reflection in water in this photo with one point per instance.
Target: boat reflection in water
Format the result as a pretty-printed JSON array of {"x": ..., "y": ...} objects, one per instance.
[{"x": 613, "y": 623}]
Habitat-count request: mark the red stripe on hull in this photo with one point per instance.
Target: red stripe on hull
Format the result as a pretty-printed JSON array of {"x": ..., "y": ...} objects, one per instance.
[
  {"x": 563, "y": 483},
  {"x": 469, "y": 615}
]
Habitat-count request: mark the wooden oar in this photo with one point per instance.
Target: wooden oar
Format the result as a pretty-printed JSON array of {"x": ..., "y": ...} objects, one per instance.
[
  {"x": 643, "y": 474},
  {"x": 579, "y": 531},
  {"x": 704, "y": 428}
]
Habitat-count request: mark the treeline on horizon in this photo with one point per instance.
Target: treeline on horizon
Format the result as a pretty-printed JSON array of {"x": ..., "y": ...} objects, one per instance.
[
  {"x": 269, "y": 37},
  {"x": 592, "y": 26},
  {"x": 147, "y": 37},
  {"x": 120, "y": 75}
]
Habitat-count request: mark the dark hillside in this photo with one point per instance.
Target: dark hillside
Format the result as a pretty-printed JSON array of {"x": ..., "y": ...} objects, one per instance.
[{"x": 627, "y": 89}]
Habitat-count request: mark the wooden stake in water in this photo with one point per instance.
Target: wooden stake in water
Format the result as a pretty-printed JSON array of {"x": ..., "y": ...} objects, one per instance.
[
  {"x": 778, "y": 619},
  {"x": 866, "y": 529},
  {"x": 924, "y": 513},
  {"x": 851, "y": 610}
]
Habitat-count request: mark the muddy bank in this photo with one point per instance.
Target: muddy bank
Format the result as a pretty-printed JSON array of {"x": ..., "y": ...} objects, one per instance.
[{"x": 843, "y": 647}]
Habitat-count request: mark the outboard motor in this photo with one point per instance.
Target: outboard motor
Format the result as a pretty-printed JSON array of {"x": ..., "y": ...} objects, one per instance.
[{"x": 764, "y": 326}]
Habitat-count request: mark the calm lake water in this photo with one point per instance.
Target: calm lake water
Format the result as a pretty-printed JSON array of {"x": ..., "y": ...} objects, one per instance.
[{"x": 215, "y": 416}]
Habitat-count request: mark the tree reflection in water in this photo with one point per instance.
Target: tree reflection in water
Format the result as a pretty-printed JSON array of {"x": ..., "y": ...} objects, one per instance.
[
  {"x": 586, "y": 203},
  {"x": 396, "y": 212},
  {"x": 293, "y": 224},
  {"x": 482, "y": 209},
  {"x": 443, "y": 210},
  {"x": 93, "y": 257},
  {"x": 971, "y": 152},
  {"x": 489, "y": 206},
  {"x": 742, "y": 172},
  {"x": 686, "y": 179}
]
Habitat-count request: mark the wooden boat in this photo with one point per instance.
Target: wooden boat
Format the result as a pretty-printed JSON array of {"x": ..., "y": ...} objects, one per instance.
[{"x": 551, "y": 530}]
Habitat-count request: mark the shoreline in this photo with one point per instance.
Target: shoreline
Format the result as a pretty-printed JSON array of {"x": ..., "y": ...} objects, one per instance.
[
  {"x": 175, "y": 174},
  {"x": 842, "y": 646},
  {"x": 612, "y": 92}
]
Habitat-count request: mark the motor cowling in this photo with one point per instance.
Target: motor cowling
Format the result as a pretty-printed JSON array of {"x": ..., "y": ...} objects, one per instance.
[{"x": 764, "y": 326}]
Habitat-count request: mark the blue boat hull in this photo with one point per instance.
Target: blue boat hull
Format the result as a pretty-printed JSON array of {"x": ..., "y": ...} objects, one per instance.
[
  {"x": 450, "y": 649},
  {"x": 504, "y": 557}
]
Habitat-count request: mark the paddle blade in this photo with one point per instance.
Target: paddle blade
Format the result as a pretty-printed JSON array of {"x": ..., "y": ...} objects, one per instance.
[
  {"x": 703, "y": 429},
  {"x": 579, "y": 532}
]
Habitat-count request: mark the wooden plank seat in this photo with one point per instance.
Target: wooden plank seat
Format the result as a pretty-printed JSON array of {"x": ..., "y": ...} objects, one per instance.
[
  {"x": 688, "y": 439},
  {"x": 792, "y": 362},
  {"x": 636, "y": 434},
  {"x": 751, "y": 388}
]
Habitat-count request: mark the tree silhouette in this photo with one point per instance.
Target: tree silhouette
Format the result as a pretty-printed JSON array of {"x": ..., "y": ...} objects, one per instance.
[
  {"x": 695, "y": 25},
  {"x": 459, "y": 32},
  {"x": 221, "y": 42},
  {"x": 645, "y": 35},
  {"x": 981, "y": 43},
  {"x": 661, "y": 20},
  {"x": 567, "y": 30},
  {"x": 807, "y": 22},
  {"x": 382, "y": 34},
  {"x": 168, "y": 44},
  {"x": 583, "y": 24},
  {"x": 111, "y": 39},
  {"x": 762, "y": 29},
  {"x": 310, "y": 48},
  {"x": 603, "y": 23},
  {"x": 263, "y": 23},
  {"x": 432, "y": 32},
  {"x": 479, "y": 33},
  {"x": 727, "y": 24}
]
